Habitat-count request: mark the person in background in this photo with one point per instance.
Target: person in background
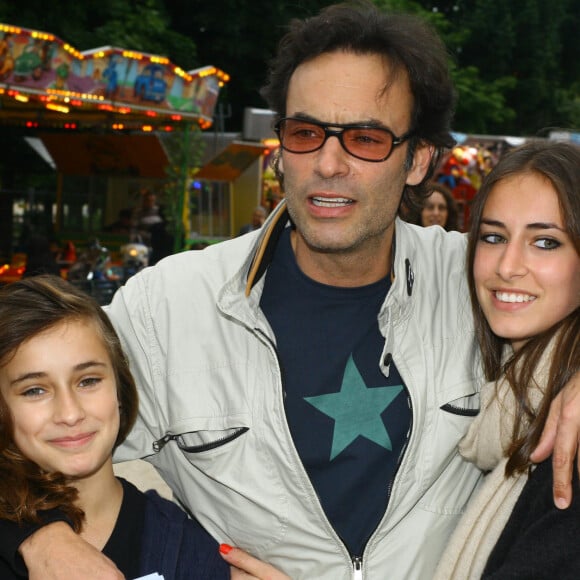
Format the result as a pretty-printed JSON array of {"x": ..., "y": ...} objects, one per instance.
[
  {"x": 123, "y": 225},
  {"x": 67, "y": 399},
  {"x": 151, "y": 227},
  {"x": 40, "y": 257},
  {"x": 524, "y": 279},
  {"x": 259, "y": 215},
  {"x": 439, "y": 208},
  {"x": 303, "y": 388},
  {"x": 148, "y": 213}
]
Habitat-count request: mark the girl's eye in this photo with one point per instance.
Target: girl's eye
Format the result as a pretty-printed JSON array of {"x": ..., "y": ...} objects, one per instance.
[
  {"x": 90, "y": 382},
  {"x": 547, "y": 244},
  {"x": 33, "y": 392},
  {"x": 491, "y": 238}
]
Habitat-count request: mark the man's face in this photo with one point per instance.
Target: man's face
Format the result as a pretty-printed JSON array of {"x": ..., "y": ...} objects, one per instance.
[{"x": 341, "y": 204}]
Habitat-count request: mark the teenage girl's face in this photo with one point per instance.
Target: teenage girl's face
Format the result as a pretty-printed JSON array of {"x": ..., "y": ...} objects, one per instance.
[
  {"x": 435, "y": 211},
  {"x": 60, "y": 388},
  {"x": 526, "y": 269}
]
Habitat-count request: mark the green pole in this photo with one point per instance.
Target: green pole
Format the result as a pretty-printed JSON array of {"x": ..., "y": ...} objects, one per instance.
[{"x": 178, "y": 243}]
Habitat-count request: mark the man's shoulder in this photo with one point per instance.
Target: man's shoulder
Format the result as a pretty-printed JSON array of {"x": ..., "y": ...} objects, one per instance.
[
  {"x": 225, "y": 257},
  {"x": 428, "y": 241}
]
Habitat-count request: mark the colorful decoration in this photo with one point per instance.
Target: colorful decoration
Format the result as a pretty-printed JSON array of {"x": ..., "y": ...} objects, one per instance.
[
  {"x": 462, "y": 172},
  {"x": 39, "y": 69}
]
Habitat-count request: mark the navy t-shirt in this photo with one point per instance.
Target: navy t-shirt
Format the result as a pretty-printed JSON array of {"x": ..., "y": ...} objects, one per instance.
[{"x": 348, "y": 420}]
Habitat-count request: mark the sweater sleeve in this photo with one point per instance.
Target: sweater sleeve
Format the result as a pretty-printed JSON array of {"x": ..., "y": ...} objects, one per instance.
[
  {"x": 539, "y": 541},
  {"x": 178, "y": 547}
]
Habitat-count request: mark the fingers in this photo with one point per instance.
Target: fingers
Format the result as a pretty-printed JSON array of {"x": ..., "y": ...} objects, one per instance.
[
  {"x": 562, "y": 434},
  {"x": 237, "y": 574},
  {"x": 247, "y": 567},
  {"x": 548, "y": 438}
]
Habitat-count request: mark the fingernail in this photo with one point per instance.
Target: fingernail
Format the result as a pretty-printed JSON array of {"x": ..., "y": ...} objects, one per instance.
[
  {"x": 561, "y": 503},
  {"x": 225, "y": 548}
]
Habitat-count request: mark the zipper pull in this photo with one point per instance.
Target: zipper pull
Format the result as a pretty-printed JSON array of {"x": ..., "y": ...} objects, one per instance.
[
  {"x": 161, "y": 443},
  {"x": 357, "y": 568}
]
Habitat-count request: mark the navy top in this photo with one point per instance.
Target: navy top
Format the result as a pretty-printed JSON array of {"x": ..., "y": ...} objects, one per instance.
[
  {"x": 539, "y": 541},
  {"x": 348, "y": 420},
  {"x": 151, "y": 535}
]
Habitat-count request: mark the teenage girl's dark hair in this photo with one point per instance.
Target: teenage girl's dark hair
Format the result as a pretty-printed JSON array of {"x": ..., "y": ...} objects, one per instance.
[
  {"x": 27, "y": 308},
  {"x": 410, "y": 45},
  {"x": 559, "y": 163}
]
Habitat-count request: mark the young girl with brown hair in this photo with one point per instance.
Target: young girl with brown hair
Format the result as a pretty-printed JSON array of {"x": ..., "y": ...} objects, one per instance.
[{"x": 524, "y": 277}]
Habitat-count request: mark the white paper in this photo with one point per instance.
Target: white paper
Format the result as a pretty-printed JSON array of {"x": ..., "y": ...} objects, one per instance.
[{"x": 153, "y": 576}]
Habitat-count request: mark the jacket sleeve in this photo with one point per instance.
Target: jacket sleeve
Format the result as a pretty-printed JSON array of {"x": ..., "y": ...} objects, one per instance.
[{"x": 130, "y": 314}]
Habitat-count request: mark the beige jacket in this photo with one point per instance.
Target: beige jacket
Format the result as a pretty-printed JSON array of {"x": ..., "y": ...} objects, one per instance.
[{"x": 212, "y": 405}]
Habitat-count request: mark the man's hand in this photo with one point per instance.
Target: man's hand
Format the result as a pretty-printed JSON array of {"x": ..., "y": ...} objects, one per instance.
[
  {"x": 55, "y": 552},
  {"x": 561, "y": 437},
  {"x": 246, "y": 567}
]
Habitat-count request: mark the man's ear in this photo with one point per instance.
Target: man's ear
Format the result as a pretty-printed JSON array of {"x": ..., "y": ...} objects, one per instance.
[
  {"x": 421, "y": 159},
  {"x": 279, "y": 169}
]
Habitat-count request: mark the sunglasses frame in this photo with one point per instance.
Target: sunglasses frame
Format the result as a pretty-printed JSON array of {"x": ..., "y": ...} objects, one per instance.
[{"x": 396, "y": 140}]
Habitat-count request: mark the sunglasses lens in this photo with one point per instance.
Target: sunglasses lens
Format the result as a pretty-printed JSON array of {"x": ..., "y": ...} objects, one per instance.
[
  {"x": 367, "y": 143},
  {"x": 371, "y": 144},
  {"x": 301, "y": 137}
]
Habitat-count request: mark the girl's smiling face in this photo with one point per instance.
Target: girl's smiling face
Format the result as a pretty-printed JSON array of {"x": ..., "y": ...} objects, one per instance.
[
  {"x": 526, "y": 268},
  {"x": 60, "y": 388}
]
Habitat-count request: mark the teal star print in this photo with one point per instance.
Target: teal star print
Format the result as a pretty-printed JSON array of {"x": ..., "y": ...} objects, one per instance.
[{"x": 356, "y": 410}]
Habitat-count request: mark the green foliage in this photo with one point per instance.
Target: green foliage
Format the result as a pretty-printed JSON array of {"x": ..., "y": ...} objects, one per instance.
[
  {"x": 516, "y": 63},
  {"x": 481, "y": 103},
  {"x": 527, "y": 57},
  {"x": 184, "y": 150},
  {"x": 133, "y": 24}
]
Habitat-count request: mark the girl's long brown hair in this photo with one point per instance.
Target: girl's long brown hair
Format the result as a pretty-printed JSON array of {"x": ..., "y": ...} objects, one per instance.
[
  {"x": 27, "y": 308},
  {"x": 560, "y": 164}
]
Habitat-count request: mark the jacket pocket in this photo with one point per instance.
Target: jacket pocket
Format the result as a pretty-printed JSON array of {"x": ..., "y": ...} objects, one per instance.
[
  {"x": 199, "y": 435},
  {"x": 200, "y": 441},
  {"x": 464, "y": 406},
  {"x": 462, "y": 400}
]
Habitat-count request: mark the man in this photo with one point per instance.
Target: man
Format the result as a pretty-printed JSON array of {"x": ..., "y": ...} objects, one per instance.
[
  {"x": 151, "y": 227},
  {"x": 303, "y": 388},
  {"x": 258, "y": 218}
]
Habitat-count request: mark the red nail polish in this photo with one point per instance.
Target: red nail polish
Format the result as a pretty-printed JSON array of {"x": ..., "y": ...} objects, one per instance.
[{"x": 225, "y": 548}]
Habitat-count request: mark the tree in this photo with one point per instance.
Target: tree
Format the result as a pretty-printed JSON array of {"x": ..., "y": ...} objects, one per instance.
[
  {"x": 516, "y": 63},
  {"x": 239, "y": 37},
  {"x": 527, "y": 51},
  {"x": 142, "y": 25}
]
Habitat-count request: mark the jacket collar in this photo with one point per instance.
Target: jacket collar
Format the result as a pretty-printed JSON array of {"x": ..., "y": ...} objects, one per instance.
[
  {"x": 266, "y": 246},
  {"x": 267, "y": 242}
]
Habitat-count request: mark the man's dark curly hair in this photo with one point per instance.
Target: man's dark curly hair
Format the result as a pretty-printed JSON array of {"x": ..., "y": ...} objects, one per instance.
[{"x": 409, "y": 44}]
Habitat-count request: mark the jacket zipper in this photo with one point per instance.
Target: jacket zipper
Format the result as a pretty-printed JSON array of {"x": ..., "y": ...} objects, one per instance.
[
  {"x": 356, "y": 561},
  {"x": 161, "y": 443}
]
